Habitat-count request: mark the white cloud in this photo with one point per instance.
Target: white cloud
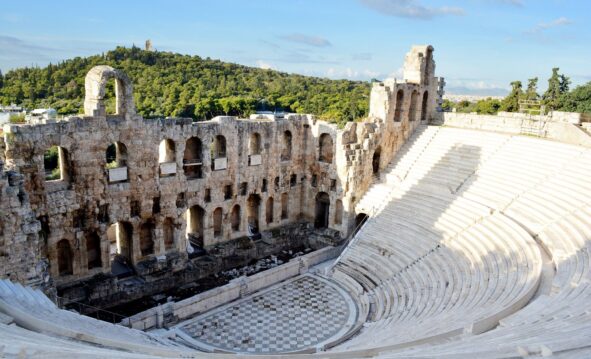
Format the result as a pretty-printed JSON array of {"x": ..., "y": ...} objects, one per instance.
[
  {"x": 543, "y": 26},
  {"x": 309, "y": 40},
  {"x": 410, "y": 8}
]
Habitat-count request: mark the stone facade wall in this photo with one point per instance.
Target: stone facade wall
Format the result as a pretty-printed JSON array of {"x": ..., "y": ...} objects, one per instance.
[{"x": 325, "y": 165}]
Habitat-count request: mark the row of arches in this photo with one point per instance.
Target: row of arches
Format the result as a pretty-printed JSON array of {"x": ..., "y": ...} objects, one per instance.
[
  {"x": 412, "y": 110},
  {"x": 119, "y": 237},
  {"x": 57, "y": 160},
  {"x": 195, "y": 216}
]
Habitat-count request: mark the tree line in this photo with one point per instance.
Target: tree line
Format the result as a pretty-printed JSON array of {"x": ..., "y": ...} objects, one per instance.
[
  {"x": 557, "y": 97},
  {"x": 170, "y": 84}
]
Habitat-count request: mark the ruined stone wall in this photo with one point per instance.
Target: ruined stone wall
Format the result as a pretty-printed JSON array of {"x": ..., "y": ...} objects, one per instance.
[
  {"x": 144, "y": 197},
  {"x": 21, "y": 247}
]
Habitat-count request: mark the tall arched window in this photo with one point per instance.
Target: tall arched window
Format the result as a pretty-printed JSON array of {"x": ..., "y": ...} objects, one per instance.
[
  {"x": 218, "y": 153},
  {"x": 192, "y": 158},
  {"x": 120, "y": 235},
  {"x": 414, "y": 99},
  {"x": 325, "y": 151},
  {"x": 322, "y": 210},
  {"x": 116, "y": 159},
  {"x": 286, "y": 146},
  {"x": 56, "y": 163},
  {"x": 93, "y": 250},
  {"x": 195, "y": 225},
  {"x": 338, "y": 213},
  {"x": 269, "y": 211},
  {"x": 424, "y": 107},
  {"x": 64, "y": 258},
  {"x": 147, "y": 238},
  {"x": 254, "y": 144},
  {"x": 217, "y": 222},
  {"x": 235, "y": 218},
  {"x": 398, "y": 108},
  {"x": 254, "y": 150},
  {"x": 166, "y": 157},
  {"x": 252, "y": 210},
  {"x": 168, "y": 233},
  {"x": 284, "y": 206}
]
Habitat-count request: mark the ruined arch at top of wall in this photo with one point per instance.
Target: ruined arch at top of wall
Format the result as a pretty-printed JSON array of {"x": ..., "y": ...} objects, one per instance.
[
  {"x": 419, "y": 67},
  {"x": 95, "y": 86}
]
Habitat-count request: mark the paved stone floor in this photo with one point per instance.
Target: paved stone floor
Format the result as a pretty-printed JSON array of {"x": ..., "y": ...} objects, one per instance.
[{"x": 301, "y": 313}]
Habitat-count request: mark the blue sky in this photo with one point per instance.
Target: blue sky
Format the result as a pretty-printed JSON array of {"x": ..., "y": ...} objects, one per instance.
[{"x": 480, "y": 45}]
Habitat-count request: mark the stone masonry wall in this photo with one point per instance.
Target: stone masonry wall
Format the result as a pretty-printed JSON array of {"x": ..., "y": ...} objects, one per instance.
[{"x": 142, "y": 197}]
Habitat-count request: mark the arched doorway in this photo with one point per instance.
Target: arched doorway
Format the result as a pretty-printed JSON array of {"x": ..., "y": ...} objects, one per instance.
[
  {"x": 360, "y": 220},
  {"x": 322, "y": 210}
]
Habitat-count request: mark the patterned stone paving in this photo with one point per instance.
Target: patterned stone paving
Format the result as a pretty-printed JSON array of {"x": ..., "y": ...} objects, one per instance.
[{"x": 294, "y": 315}]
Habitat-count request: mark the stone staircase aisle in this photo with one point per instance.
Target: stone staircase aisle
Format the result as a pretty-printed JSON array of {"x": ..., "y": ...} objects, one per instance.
[{"x": 380, "y": 191}]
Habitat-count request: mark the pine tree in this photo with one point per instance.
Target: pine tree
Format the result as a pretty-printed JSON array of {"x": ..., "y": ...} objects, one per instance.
[
  {"x": 553, "y": 92},
  {"x": 511, "y": 102},
  {"x": 532, "y": 89}
]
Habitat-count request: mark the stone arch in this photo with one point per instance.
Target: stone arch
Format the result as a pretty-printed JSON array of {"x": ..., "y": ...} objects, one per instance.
[
  {"x": 168, "y": 233},
  {"x": 218, "y": 147},
  {"x": 424, "y": 106},
  {"x": 116, "y": 155},
  {"x": 65, "y": 258},
  {"x": 217, "y": 222},
  {"x": 286, "y": 146},
  {"x": 412, "y": 112},
  {"x": 95, "y": 88},
  {"x": 360, "y": 219},
  {"x": 338, "y": 213},
  {"x": 235, "y": 218},
  {"x": 325, "y": 151},
  {"x": 399, "y": 104},
  {"x": 120, "y": 236},
  {"x": 193, "y": 158},
  {"x": 269, "y": 210},
  {"x": 252, "y": 210},
  {"x": 93, "y": 251},
  {"x": 195, "y": 216},
  {"x": 56, "y": 164},
  {"x": 254, "y": 144},
  {"x": 322, "y": 210},
  {"x": 147, "y": 238},
  {"x": 166, "y": 151}
]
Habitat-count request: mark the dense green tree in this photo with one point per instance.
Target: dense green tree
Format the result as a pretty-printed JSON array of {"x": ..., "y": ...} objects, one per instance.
[
  {"x": 488, "y": 106},
  {"x": 511, "y": 102},
  {"x": 578, "y": 100}
]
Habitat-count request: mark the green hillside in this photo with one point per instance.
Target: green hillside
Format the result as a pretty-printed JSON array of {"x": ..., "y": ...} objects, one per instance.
[{"x": 169, "y": 84}]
